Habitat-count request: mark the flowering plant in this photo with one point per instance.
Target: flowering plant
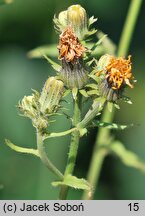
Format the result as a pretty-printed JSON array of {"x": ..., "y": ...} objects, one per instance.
[{"x": 86, "y": 70}]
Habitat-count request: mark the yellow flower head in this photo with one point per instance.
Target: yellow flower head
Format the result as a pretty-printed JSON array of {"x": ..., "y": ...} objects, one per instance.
[{"x": 119, "y": 72}]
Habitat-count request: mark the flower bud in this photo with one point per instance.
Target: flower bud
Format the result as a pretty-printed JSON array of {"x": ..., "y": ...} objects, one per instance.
[
  {"x": 28, "y": 106},
  {"x": 50, "y": 96},
  {"x": 115, "y": 74},
  {"x": 73, "y": 74},
  {"x": 77, "y": 19},
  {"x": 62, "y": 17}
]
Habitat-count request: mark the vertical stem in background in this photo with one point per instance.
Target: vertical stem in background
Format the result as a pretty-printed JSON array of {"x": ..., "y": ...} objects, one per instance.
[
  {"x": 129, "y": 26},
  {"x": 75, "y": 137},
  {"x": 103, "y": 133}
]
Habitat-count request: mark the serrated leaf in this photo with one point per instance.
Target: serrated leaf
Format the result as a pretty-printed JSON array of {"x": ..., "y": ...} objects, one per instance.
[
  {"x": 74, "y": 182},
  {"x": 113, "y": 126},
  {"x": 39, "y": 52},
  {"x": 127, "y": 157}
]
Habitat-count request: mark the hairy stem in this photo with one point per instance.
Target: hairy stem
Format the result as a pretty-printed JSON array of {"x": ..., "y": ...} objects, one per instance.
[
  {"x": 44, "y": 158},
  {"x": 73, "y": 146},
  {"x": 103, "y": 133}
]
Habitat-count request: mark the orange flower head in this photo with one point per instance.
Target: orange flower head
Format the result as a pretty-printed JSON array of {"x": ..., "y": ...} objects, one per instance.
[
  {"x": 69, "y": 46},
  {"x": 119, "y": 72}
]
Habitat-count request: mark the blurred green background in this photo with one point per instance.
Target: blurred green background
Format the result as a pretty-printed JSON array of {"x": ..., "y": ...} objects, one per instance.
[{"x": 24, "y": 25}]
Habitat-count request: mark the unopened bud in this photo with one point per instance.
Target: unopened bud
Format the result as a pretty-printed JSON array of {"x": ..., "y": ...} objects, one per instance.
[
  {"x": 77, "y": 19},
  {"x": 28, "y": 106},
  {"x": 51, "y": 95},
  {"x": 62, "y": 17}
]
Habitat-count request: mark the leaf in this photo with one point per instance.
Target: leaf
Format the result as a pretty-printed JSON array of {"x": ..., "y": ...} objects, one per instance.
[
  {"x": 60, "y": 134},
  {"x": 39, "y": 52},
  {"x": 93, "y": 92},
  {"x": 67, "y": 92},
  {"x": 92, "y": 20},
  {"x": 98, "y": 42},
  {"x": 92, "y": 85},
  {"x": 54, "y": 65},
  {"x": 116, "y": 106},
  {"x": 112, "y": 125},
  {"x": 127, "y": 157},
  {"x": 84, "y": 93},
  {"x": 74, "y": 182},
  {"x": 21, "y": 149},
  {"x": 110, "y": 106},
  {"x": 82, "y": 131},
  {"x": 91, "y": 62},
  {"x": 126, "y": 99},
  {"x": 107, "y": 43},
  {"x": 74, "y": 93}
]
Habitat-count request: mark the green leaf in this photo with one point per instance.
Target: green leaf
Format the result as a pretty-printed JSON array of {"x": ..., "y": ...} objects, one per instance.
[
  {"x": 21, "y": 149},
  {"x": 83, "y": 131},
  {"x": 126, "y": 99},
  {"x": 112, "y": 125},
  {"x": 93, "y": 92},
  {"x": 91, "y": 62},
  {"x": 127, "y": 157},
  {"x": 92, "y": 20},
  {"x": 99, "y": 42},
  {"x": 74, "y": 182},
  {"x": 92, "y": 85},
  {"x": 54, "y": 65},
  {"x": 59, "y": 134},
  {"x": 67, "y": 92},
  {"x": 74, "y": 93},
  {"x": 84, "y": 93},
  {"x": 110, "y": 106},
  {"x": 39, "y": 52},
  {"x": 107, "y": 43},
  {"x": 116, "y": 106}
]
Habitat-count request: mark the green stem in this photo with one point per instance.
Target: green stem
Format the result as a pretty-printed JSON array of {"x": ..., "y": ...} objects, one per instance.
[
  {"x": 129, "y": 27},
  {"x": 44, "y": 158},
  {"x": 73, "y": 146},
  {"x": 103, "y": 133},
  {"x": 97, "y": 106}
]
